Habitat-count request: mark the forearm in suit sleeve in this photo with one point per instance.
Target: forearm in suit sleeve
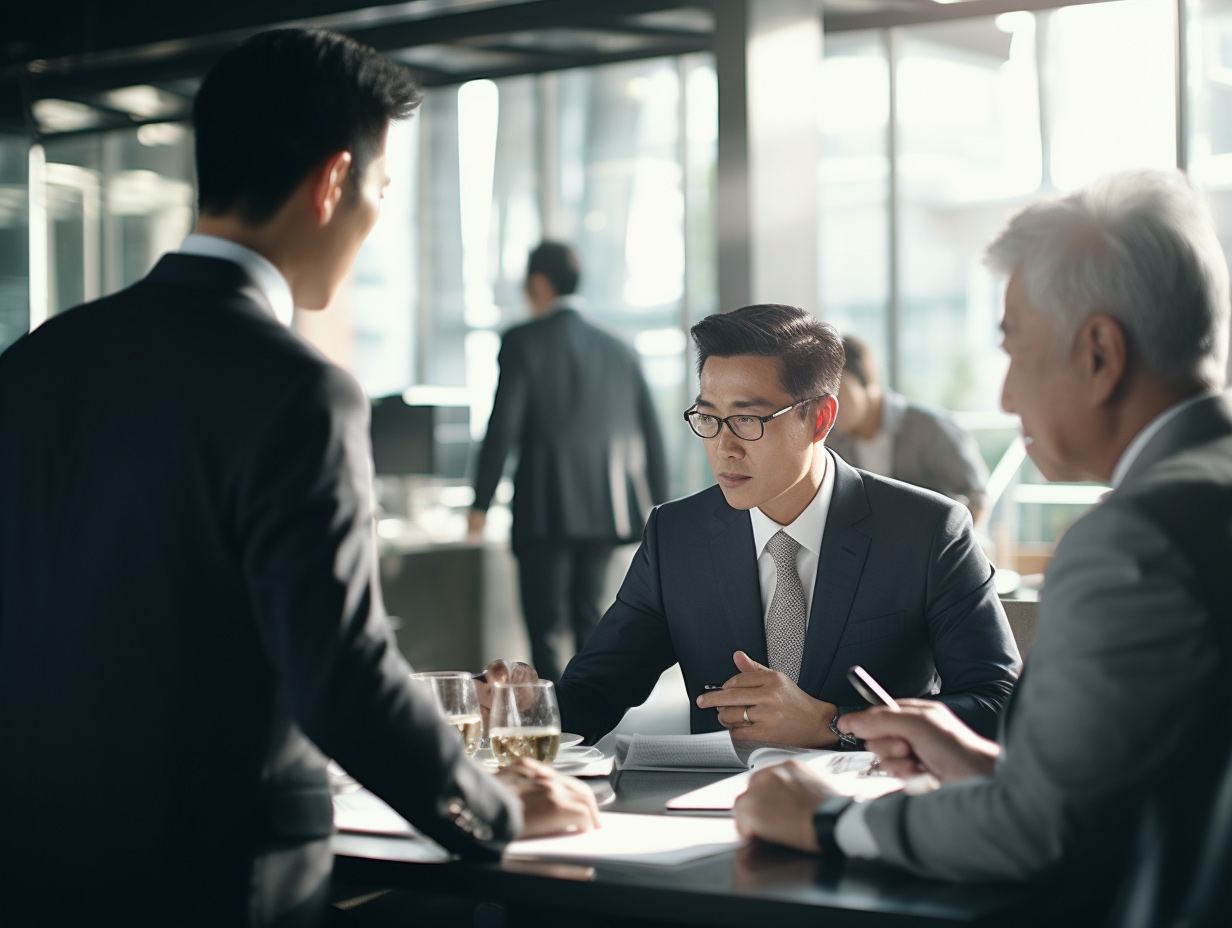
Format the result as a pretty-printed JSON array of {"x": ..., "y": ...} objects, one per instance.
[
  {"x": 1122, "y": 660},
  {"x": 973, "y": 647},
  {"x": 504, "y": 424},
  {"x": 623, "y": 659},
  {"x": 306, "y": 533}
]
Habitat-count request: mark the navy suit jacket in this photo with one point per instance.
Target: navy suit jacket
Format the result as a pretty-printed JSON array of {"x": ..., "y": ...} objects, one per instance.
[{"x": 902, "y": 588}]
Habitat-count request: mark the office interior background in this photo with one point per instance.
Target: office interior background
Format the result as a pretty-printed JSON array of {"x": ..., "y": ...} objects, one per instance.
[{"x": 924, "y": 124}]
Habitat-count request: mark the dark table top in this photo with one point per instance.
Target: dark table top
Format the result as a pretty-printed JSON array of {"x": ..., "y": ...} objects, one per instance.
[{"x": 753, "y": 885}]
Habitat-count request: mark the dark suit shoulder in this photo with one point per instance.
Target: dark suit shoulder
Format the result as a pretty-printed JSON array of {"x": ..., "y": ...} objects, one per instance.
[
  {"x": 567, "y": 323},
  {"x": 892, "y": 498}
]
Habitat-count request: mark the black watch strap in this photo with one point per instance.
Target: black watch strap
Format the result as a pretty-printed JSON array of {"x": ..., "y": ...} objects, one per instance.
[
  {"x": 846, "y": 740},
  {"x": 825, "y": 820}
]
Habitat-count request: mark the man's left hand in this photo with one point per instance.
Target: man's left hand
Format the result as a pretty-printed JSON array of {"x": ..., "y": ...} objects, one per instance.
[
  {"x": 778, "y": 806},
  {"x": 760, "y": 704}
]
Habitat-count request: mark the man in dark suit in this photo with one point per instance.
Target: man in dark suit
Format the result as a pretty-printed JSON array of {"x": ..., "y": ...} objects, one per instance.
[
  {"x": 573, "y": 400},
  {"x": 189, "y": 606},
  {"x": 794, "y": 567},
  {"x": 1117, "y": 737}
]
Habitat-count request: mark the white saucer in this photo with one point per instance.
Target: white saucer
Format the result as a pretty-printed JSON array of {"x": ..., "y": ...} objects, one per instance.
[
  {"x": 568, "y": 739},
  {"x": 568, "y": 758}
]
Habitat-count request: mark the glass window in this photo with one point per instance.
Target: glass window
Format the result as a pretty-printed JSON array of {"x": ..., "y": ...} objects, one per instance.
[
  {"x": 968, "y": 157},
  {"x": 854, "y": 264},
  {"x": 620, "y": 160},
  {"x": 14, "y": 239},
  {"x": 1209, "y": 50}
]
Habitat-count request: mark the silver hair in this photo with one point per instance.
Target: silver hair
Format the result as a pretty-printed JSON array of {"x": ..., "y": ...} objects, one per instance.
[{"x": 1140, "y": 246}]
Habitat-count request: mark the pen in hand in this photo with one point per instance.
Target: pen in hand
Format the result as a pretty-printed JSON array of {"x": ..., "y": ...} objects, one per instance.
[{"x": 867, "y": 686}]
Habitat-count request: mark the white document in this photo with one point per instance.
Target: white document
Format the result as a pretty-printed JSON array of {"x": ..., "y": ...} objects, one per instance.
[
  {"x": 845, "y": 772},
  {"x": 634, "y": 839},
  {"x": 366, "y": 812},
  {"x": 711, "y": 751}
]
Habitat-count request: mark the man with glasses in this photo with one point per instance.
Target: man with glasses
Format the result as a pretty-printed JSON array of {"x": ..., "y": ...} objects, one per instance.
[{"x": 794, "y": 567}]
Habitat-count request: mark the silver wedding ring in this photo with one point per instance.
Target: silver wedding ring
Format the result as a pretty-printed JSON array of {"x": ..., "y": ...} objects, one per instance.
[{"x": 747, "y": 720}]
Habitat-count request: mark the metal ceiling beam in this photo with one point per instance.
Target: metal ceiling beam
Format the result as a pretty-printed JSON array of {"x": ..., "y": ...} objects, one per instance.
[{"x": 935, "y": 12}]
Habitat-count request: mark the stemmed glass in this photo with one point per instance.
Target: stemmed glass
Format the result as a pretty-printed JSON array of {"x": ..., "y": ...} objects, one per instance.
[
  {"x": 454, "y": 691},
  {"x": 525, "y": 722}
]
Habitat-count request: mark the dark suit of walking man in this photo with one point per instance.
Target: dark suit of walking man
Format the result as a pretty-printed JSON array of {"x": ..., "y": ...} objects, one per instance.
[
  {"x": 189, "y": 608},
  {"x": 591, "y": 465}
]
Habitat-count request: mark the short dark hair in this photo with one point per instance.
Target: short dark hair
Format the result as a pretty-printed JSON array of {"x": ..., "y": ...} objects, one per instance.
[
  {"x": 277, "y": 104},
  {"x": 858, "y": 360},
  {"x": 811, "y": 351},
  {"x": 558, "y": 263}
]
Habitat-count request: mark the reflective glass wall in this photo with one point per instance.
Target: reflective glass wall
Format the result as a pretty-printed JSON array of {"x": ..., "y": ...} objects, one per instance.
[
  {"x": 14, "y": 239},
  {"x": 921, "y": 169},
  {"x": 618, "y": 161}
]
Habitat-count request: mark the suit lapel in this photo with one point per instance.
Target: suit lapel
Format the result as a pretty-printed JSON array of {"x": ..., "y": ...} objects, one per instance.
[
  {"x": 844, "y": 550},
  {"x": 736, "y": 570}
]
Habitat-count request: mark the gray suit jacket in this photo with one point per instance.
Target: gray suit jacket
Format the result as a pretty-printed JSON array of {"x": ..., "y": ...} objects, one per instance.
[
  {"x": 1120, "y": 723},
  {"x": 930, "y": 450}
]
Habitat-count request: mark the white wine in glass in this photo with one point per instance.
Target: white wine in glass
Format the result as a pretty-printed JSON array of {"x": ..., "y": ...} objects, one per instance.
[
  {"x": 454, "y": 691},
  {"x": 525, "y": 722}
]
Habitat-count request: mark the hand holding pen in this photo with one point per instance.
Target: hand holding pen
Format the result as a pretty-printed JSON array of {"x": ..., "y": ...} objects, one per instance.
[{"x": 917, "y": 736}]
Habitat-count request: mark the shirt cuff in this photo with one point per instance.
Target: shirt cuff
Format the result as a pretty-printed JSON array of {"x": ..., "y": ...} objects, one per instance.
[{"x": 852, "y": 834}]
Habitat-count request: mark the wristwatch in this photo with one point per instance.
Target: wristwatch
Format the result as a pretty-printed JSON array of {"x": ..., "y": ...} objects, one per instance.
[
  {"x": 825, "y": 820},
  {"x": 846, "y": 740}
]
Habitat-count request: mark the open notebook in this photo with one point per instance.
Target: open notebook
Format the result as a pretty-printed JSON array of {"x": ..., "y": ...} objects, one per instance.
[{"x": 846, "y": 772}]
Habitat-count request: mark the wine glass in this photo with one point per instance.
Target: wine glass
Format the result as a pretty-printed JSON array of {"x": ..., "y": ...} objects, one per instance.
[
  {"x": 454, "y": 691},
  {"x": 525, "y": 722}
]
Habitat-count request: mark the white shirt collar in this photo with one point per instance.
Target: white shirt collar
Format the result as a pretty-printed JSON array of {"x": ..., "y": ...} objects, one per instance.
[
  {"x": 269, "y": 279},
  {"x": 808, "y": 527},
  {"x": 1130, "y": 454}
]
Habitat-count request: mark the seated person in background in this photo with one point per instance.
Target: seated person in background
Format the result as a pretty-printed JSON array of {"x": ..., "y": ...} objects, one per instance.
[
  {"x": 1116, "y": 321},
  {"x": 886, "y": 433},
  {"x": 794, "y": 567}
]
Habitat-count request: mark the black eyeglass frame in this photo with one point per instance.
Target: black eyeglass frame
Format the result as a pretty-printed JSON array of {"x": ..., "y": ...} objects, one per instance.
[{"x": 744, "y": 415}]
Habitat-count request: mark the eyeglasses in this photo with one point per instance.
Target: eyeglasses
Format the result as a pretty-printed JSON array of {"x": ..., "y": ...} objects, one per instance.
[{"x": 746, "y": 427}]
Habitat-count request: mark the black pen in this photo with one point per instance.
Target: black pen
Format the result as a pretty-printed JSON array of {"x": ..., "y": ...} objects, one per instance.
[{"x": 711, "y": 687}]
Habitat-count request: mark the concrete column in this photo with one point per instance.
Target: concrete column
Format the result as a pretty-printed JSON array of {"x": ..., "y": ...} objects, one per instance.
[{"x": 768, "y": 61}]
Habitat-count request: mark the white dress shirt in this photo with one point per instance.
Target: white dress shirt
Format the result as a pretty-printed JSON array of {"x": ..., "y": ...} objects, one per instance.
[{"x": 269, "y": 279}]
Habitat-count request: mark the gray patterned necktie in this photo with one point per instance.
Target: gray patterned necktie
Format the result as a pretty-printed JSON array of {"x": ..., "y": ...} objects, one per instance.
[{"x": 787, "y": 620}]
